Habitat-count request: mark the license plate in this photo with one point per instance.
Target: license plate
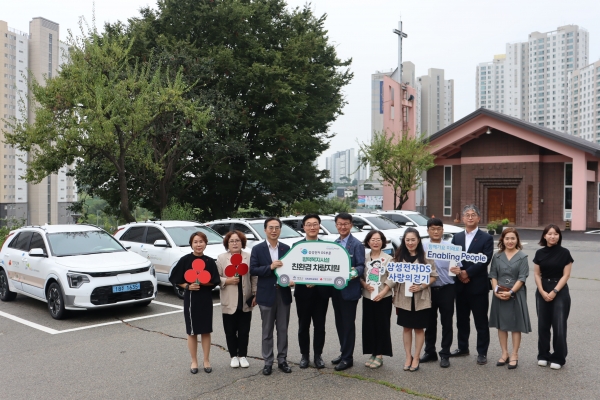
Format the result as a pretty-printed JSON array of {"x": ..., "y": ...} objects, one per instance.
[{"x": 126, "y": 288}]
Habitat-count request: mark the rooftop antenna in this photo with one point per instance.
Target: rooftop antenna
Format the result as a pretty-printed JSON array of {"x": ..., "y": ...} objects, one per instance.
[{"x": 401, "y": 35}]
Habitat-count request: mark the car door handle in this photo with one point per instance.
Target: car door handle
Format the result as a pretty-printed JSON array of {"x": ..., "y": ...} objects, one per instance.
[{"x": 143, "y": 249}]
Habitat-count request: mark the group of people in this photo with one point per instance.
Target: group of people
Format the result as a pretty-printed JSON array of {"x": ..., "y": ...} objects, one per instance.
[{"x": 464, "y": 285}]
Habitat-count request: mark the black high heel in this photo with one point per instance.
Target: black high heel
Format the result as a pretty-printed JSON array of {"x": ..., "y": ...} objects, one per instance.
[{"x": 513, "y": 366}]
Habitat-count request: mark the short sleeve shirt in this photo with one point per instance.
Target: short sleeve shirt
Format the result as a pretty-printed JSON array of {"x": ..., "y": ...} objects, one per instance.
[{"x": 552, "y": 261}]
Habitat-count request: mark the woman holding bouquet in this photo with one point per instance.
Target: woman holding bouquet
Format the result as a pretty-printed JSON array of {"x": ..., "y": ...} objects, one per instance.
[{"x": 198, "y": 275}]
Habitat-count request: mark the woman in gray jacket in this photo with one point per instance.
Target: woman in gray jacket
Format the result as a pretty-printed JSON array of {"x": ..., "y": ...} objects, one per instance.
[{"x": 238, "y": 291}]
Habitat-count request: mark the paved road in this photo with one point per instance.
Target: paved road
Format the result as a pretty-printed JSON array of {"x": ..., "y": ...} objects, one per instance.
[{"x": 147, "y": 358}]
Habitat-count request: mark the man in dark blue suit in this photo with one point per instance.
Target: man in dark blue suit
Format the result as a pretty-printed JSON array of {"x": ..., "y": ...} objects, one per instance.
[
  {"x": 345, "y": 301},
  {"x": 312, "y": 303},
  {"x": 273, "y": 300},
  {"x": 472, "y": 286}
]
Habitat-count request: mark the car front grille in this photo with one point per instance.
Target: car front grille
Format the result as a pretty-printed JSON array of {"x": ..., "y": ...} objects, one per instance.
[
  {"x": 104, "y": 295},
  {"x": 113, "y": 273}
]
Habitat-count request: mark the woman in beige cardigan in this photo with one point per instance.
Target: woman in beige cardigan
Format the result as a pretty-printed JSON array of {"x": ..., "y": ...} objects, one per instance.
[
  {"x": 413, "y": 312},
  {"x": 238, "y": 291}
]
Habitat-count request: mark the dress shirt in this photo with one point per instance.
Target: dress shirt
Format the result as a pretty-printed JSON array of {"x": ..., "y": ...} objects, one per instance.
[
  {"x": 274, "y": 251},
  {"x": 469, "y": 238},
  {"x": 442, "y": 267},
  {"x": 343, "y": 241}
]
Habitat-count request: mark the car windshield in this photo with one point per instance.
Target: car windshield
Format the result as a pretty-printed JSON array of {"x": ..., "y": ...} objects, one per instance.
[
  {"x": 64, "y": 244},
  {"x": 181, "y": 234},
  {"x": 286, "y": 231},
  {"x": 382, "y": 223},
  {"x": 419, "y": 219},
  {"x": 329, "y": 224}
]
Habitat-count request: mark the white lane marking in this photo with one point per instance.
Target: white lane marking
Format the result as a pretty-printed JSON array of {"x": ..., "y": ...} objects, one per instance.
[
  {"x": 29, "y": 323},
  {"x": 81, "y": 328},
  {"x": 160, "y": 303}
]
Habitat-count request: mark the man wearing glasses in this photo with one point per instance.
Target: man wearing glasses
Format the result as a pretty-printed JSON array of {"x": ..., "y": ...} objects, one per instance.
[
  {"x": 345, "y": 301},
  {"x": 472, "y": 286},
  {"x": 442, "y": 300},
  {"x": 273, "y": 300},
  {"x": 311, "y": 304}
]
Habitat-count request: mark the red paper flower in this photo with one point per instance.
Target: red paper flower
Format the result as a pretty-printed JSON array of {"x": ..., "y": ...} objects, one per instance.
[
  {"x": 236, "y": 267},
  {"x": 197, "y": 274}
]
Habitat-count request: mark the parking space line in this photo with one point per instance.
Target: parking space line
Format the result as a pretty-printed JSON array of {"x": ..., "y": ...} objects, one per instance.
[
  {"x": 160, "y": 303},
  {"x": 29, "y": 323},
  {"x": 81, "y": 328}
]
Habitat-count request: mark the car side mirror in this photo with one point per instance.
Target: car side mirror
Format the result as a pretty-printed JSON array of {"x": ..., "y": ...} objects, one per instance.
[
  {"x": 127, "y": 247},
  {"x": 409, "y": 224},
  {"x": 161, "y": 243},
  {"x": 250, "y": 236},
  {"x": 321, "y": 232},
  {"x": 37, "y": 253},
  {"x": 366, "y": 228}
]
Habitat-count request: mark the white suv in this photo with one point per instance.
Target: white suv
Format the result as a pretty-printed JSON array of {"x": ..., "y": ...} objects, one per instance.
[
  {"x": 254, "y": 229},
  {"x": 329, "y": 232},
  {"x": 73, "y": 267},
  {"x": 368, "y": 221},
  {"x": 165, "y": 242},
  {"x": 417, "y": 220}
]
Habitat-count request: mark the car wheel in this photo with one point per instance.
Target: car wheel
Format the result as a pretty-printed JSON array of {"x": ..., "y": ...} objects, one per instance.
[
  {"x": 179, "y": 291},
  {"x": 143, "y": 303},
  {"x": 56, "y": 301},
  {"x": 284, "y": 280},
  {"x": 5, "y": 293},
  {"x": 339, "y": 282}
]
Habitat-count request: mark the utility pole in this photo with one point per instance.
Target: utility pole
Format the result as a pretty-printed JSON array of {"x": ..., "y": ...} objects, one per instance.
[{"x": 401, "y": 35}]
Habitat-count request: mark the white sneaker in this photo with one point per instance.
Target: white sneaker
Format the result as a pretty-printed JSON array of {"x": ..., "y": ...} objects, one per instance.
[
  {"x": 244, "y": 363},
  {"x": 542, "y": 363},
  {"x": 555, "y": 366},
  {"x": 235, "y": 363}
]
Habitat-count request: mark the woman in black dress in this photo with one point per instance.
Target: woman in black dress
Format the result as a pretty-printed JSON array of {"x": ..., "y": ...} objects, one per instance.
[
  {"x": 413, "y": 312},
  {"x": 552, "y": 269},
  {"x": 197, "y": 302}
]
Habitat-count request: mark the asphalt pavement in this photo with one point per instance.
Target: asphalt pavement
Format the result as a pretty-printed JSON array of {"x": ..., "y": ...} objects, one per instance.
[{"x": 141, "y": 353}]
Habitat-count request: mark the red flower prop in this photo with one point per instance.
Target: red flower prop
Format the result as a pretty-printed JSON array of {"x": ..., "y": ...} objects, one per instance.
[
  {"x": 237, "y": 268},
  {"x": 197, "y": 274}
]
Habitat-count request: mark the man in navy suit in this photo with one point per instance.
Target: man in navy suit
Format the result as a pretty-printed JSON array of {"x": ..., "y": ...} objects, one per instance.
[
  {"x": 312, "y": 303},
  {"x": 345, "y": 301},
  {"x": 273, "y": 300},
  {"x": 472, "y": 286}
]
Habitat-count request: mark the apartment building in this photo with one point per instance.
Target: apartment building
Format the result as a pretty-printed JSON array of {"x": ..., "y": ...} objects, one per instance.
[
  {"x": 35, "y": 54},
  {"x": 530, "y": 81},
  {"x": 436, "y": 103},
  {"x": 584, "y": 102}
]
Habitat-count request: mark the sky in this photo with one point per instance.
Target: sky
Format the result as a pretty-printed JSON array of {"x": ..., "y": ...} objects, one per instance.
[{"x": 453, "y": 35}]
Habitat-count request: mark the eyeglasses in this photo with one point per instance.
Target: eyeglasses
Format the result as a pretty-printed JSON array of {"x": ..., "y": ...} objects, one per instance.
[
  {"x": 374, "y": 240},
  {"x": 311, "y": 225},
  {"x": 273, "y": 228},
  {"x": 469, "y": 216},
  {"x": 235, "y": 241},
  {"x": 344, "y": 225},
  {"x": 436, "y": 229}
]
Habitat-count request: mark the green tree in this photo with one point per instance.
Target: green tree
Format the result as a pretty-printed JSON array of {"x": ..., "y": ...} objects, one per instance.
[
  {"x": 276, "y": 85},
  {"x": 104, "y": 110},
  {"x": 399, "y": 162}
]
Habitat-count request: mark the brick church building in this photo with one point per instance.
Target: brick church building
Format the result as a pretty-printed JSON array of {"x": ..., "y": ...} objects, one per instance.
[{"x": 514, "y": 169}]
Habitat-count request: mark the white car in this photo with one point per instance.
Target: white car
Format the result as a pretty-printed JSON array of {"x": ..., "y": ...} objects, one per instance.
[
  {"x": 368, "y": 221},
  {"x": 329, "y": 232},
  {"x": 417, "y": 220},
  {"x": 254, "y": 229},
  {"x": 73, "y": 267},
  {"x": 165, "y": 242}
]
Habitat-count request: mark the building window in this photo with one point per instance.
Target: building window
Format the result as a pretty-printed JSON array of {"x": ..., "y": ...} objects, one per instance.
[
  {"x": 447, "y": 190},
  {"x": 568, "y": 191}
]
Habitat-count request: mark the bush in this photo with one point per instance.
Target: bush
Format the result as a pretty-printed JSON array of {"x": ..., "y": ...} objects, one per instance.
[
  {"x": 8, "y": 224},
  {"x": 505, "y": 221},
  {"x": 180, "y": 212},
  {"x": 492, "y": 226}
]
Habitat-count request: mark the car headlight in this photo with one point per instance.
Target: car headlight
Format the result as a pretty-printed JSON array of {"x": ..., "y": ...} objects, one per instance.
[
  {"x": 76, "y": 280},
  {"x": 152, "y": 271}
]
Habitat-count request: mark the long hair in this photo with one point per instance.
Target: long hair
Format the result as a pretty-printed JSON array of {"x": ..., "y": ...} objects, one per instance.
[
  {"x": 506, "y": 231},
  {"x": 402, "y": 252}
]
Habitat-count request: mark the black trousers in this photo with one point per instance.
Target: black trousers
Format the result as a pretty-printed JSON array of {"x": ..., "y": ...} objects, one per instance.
[
  {"x": 237, "y": 332},
  {"x": 311, "y": 308},
  {"x": 553, "y": 314},
  {"x": 478, "y": 304},
  {"x": 442, "y": 300},
  {"x": 345, "y": 318}
]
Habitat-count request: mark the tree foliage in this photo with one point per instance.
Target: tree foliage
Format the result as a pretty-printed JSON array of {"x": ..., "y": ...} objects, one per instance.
[
  {"x": 120, "y": 119},
  {"x": 274, "y": 84},
  {"x": 399, "y": 161}
]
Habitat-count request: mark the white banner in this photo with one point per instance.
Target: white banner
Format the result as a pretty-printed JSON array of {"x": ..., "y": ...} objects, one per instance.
[{"x": 409, "y": 274}]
